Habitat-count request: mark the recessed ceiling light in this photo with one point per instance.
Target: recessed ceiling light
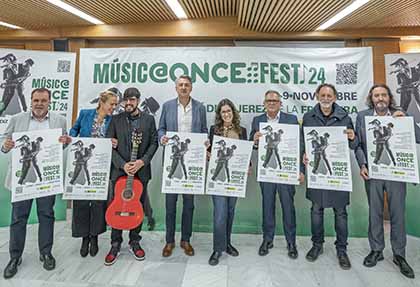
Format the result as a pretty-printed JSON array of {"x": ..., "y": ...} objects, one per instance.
[
  {"x": 177, "y": 9},
  {"x": 76, "y": 12},
  {"x": 343, "y": 13},
  {"x": 10, "y": 25}
]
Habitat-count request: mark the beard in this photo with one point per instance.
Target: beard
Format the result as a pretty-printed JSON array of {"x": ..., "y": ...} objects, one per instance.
[
  {"x": 326, "y": 105},
  {"x": 381, "y": 107}
]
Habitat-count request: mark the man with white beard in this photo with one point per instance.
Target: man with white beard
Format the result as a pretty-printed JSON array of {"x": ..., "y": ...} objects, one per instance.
[{"x": 381, "y": 103}]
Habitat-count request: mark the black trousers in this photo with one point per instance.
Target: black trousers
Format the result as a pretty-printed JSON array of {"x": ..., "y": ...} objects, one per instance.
[
  {"x": 20, "y": 215},
  {"x": 88, "y": 218}
]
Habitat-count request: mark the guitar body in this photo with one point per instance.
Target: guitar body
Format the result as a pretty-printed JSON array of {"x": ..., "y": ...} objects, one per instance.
[{"x": 125, "y": 211}]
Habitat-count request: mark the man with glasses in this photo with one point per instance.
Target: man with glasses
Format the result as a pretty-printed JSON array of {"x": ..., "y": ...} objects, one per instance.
[{"x": 272, "y": 104}]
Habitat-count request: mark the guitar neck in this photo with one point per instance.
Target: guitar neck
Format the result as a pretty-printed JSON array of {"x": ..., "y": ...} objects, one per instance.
[{"x": 130, "y": 178}]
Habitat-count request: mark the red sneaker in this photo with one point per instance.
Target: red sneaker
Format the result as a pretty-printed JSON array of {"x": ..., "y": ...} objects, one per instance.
[
  {"x": 137, "y": 251},
  {"x": 112, "y": 256}
]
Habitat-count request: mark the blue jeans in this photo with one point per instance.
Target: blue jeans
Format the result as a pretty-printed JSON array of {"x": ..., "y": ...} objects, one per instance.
[
  {"x": 317, "y": 227},
  {"x": 223, "y": 213}
]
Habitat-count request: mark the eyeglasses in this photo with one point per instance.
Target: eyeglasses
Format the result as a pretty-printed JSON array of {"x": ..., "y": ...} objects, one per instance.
[{"x": 272, "y": 101}]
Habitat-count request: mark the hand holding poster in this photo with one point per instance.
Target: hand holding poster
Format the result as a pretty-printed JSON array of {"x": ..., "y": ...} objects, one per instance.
[
  {"x": 278, "y": 153},
  {"x": 391, "y": 149},
  {"x": 329, "y": 158},
  {"x": 88, "y": 169},
  {"x": 184, "y": 167},
  {"x": 37, "y": 164},
  {"x": 228, "y": 168}
]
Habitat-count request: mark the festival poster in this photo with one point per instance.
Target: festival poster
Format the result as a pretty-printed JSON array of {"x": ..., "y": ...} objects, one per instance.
[
  {"x": 278, "y": 153},
  {"x": 328, "y": 152},
  {"x": 184, "y": 167},
  {"x": 37, "y": 164},
  {"x": 391, "y": 148},
  {"x": 88, "y": 169},
  {"x": 228, "y": 168}
]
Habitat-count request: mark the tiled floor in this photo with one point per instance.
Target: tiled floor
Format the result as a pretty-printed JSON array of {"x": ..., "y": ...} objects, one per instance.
[{"x": 249, "y": 269}]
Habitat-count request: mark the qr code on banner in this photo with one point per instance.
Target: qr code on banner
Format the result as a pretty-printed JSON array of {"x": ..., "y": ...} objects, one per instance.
[
  {"x": 346, "y": 74},
  {"x": 313, "y": 178},
  {"x": 63, "y": 66},
  {"x": 167, "y": 183}
]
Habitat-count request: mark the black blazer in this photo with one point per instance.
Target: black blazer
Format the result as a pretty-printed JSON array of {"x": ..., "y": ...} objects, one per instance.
[
  {"x": 119, "y": 129},
  {"x": 242, "y": 136}
]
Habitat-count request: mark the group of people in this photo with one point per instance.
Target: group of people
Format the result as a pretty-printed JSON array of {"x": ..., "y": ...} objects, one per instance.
[{"x": 186, "y": 114}]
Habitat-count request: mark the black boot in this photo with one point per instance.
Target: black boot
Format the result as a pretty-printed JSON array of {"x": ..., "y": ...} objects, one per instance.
[
  {"x": 214, "y": 258},
  {"x": 12, "y": 268},
  {"x": 93, "y": 245},
  {"x": 84, "y": 249},
  {"x": 313, "y": 254}
]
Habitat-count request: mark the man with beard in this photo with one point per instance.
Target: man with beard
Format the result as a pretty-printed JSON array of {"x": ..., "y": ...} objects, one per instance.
[
  {"x": 182, "y": 114},
  {"x": 39, "y": 118},
  {"x": 122, "y": 127},
  {"x": 327, "y": 113},
  {"x": 381, "y": 103}
]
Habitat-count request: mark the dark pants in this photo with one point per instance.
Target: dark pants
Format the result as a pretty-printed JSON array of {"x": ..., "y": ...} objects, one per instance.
[
  {"x": 88, "y": 218},
  {"x": 134, "y": 234},
  {"x": 187, "y": 216},
  {"x": 396, "y": 191},
  {"x": 223, "y": 213},
  {"x": 341, "y": 229},
  {"x": 286, "y": 194},
  {"x": 20, "y": 215}
]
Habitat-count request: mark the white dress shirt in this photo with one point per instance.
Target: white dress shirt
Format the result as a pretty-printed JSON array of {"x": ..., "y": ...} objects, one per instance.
[{"x": 185, "y": 117}]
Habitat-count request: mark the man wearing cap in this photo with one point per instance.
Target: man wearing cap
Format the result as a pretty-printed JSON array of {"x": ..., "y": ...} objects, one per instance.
[
  {"x": 286, "y": 192},
  {"x": 122, "y": 127},
  {"x": 381, "y": 103},
  {"x": 182, "y": 114},
  {"x": 39, "y": 118}
]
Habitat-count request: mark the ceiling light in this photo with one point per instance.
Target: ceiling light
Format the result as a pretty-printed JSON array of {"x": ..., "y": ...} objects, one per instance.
[
  {"x": 9, "y": 25},
  {"x": 177, "y": 9},
  {"x": 410, "y": 38},
  {"x": 343, "y": 13},
  {"x": 76, "y": 12}
]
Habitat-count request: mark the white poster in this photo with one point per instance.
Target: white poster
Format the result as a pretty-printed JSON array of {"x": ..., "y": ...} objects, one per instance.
[
  {"x": 391, "y": 147},
  {"x": 228, "y": 167},
  {"x": 184, "y": 167},
  {"x": 278, "y": 153},
  {"x": 37, "y": 164},
  {"x": 88, "y": 169},
  {"x": 403, "y": 78},
  {"x": 25, "y": 70},
  {"x": 328, "y": 152}
]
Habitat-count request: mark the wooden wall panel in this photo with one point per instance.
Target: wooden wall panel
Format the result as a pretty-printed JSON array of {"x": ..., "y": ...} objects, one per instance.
[
  {"x": 74, "y": 46},
  {"x": 410, "y": 46}
]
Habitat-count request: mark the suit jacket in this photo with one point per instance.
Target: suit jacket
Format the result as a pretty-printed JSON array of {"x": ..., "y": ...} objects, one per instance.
[
  {"x": 83, "y": 125},
  {"x": 20, "y": 123},
  {"x": 119, "y": 129},
  {"x": 313, "y": 118},
  {"x": 169, "y": 117},
  {"x": 361, "y": 149}
]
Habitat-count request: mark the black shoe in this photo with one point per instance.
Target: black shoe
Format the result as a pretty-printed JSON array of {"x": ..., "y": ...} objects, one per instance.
[
  {"x": 265, "y": 245},
  {"x": 405, "y": 269},
  {"x": 373, "y": 258},
  {"x": 292, "y": 251},
  {"x": 49, "y": 261},
  {"x": 232, "y": 251},
  {"x": 84, "y": 249},
  {"x": 151, "y": 223},
  {"x": 12, "y": 268},
  {"x": 313, "y": 254},
  {"x": 93, "y": 246},
  {"x": 344, "y": 261},
  {"x": 214, "y": 258}
]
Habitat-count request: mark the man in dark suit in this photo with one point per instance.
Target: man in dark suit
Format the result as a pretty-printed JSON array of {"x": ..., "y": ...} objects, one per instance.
[
  {"x": 182, "y": 114},
  {"x": 121, "y": 127},
  {"x": 269, "y": 190},
  {"x": 381, "y": 103}
]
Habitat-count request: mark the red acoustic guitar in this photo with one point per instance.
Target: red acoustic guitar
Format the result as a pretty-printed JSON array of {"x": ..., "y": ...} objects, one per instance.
[{"x": 125, "y": 211}]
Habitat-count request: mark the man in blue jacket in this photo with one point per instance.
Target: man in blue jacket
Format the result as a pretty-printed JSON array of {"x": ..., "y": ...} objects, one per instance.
[
  {"x": 272, "y": 104},
  {"x": 182, "y": 114}
]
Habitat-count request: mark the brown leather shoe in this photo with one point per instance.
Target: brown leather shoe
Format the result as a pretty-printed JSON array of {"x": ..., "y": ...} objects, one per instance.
[
  {"x": 188, "y": 249},
  {"x": 167, "y": 250}
]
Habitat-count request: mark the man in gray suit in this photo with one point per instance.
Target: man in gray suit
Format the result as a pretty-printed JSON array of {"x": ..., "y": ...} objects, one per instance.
[
  {"x": 381, "y": 103},
  {"x": 286, "y": 192},
  {"x": 183, "y": 114},
  {"x": 38, "y": 118}
]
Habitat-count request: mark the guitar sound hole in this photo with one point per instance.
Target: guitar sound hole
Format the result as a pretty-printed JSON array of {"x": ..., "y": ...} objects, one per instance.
[{"x": 127, "y": 194}]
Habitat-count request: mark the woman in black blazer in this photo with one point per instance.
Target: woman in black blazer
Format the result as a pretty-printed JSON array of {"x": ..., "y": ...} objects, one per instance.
[{"x": 227, "y": 124}]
